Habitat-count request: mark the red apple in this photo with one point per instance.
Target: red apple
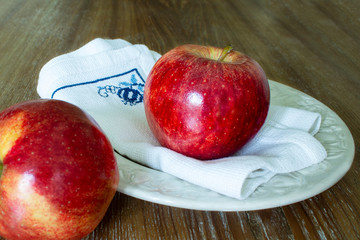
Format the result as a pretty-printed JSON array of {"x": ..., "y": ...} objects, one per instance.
[
  {"x": 59, "y": 171},
  {"x": 206, "y": 102}
]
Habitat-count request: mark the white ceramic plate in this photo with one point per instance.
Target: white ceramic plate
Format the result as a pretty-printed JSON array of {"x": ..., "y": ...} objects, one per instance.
[{"x": 159, "y": 187}]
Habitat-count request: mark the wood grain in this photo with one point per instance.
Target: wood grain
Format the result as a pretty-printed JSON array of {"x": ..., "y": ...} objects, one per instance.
[{"x": 310, "y": 45}]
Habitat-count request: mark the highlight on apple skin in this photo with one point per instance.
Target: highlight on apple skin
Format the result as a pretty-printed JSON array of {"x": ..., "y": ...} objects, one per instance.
[
  {"x": 59, "y": 172},
  {"x": 206, "y": 102}
]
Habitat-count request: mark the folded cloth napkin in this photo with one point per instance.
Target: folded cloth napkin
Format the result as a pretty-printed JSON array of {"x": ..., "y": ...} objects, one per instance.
[{"x": 106, "y": 78}]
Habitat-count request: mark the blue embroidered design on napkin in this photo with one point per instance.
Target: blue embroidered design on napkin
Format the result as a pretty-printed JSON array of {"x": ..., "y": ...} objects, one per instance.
[
  {"x": 127, "y": 86},
  {"x": 131, "y": 93}
]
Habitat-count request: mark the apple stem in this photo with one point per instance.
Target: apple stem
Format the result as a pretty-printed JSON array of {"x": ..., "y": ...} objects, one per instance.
[{"x": 224, "y": 53}]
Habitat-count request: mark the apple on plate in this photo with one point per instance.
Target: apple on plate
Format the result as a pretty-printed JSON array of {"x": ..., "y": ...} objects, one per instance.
[
  {"x": 206, "y": 102},
  {"x": 59, "y": 172}
]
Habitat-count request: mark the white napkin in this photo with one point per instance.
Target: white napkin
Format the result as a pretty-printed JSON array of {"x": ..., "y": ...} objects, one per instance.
[{"x": 106, "y": 78}]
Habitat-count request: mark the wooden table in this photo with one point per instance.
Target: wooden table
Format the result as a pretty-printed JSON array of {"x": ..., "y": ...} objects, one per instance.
[{"x": 312, "y": 46}]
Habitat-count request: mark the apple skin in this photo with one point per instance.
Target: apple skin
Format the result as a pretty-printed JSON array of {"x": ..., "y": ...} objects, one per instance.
[
  {"x": 59, "y": 171},
  {"x": 203, "y": 107}
]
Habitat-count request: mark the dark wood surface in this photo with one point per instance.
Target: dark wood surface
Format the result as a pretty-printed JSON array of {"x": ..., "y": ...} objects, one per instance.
[{"x": 312, "y": 46}]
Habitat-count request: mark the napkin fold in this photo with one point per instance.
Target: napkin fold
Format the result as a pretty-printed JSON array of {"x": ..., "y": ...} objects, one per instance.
[{"x": 106, "y": 78}]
